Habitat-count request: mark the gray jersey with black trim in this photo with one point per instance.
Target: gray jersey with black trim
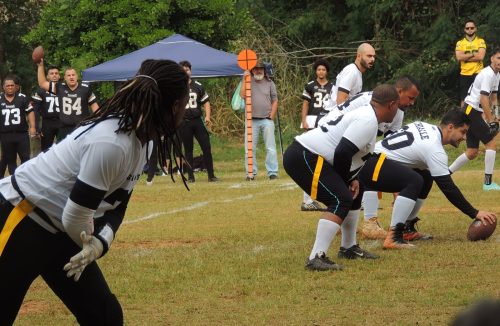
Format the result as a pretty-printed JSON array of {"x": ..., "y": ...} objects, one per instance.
[{"x": 101, "y": 158}]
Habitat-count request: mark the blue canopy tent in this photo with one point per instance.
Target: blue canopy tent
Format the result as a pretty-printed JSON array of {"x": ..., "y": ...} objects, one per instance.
[{"x": 206, "y": 61}]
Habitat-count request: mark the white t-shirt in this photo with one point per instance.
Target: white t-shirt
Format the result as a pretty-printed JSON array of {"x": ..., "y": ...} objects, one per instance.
[
  {"x": 418, "y": 146},
  {"x": 348, "y": 80},
  {"x": 359, "y": 127},
  {"x": 99, "y": 157},
  {"x": 485, "y": 83},
  {"x": 362, "y": 100}
]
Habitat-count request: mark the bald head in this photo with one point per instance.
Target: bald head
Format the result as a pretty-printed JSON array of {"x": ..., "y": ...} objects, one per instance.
[{"x": 365, "y": 57}]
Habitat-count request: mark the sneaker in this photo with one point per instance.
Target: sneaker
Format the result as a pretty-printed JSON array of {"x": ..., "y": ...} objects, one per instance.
[
  {"x": 372, "y": 230},
  {"x": 491, "y": 186},
  {"x": 312, "y": 207},
  {"x": 250, "y": 178},
  {"x": 213, "y": 179},
  {"x": 411, "y": 233},
  {"x": 322, "y": 263},
  {"x": 149, "y": 183},
  {"x": 191, "y": 180},
  {"x": 273, "y": 177},
  {"x": 394, "y": 239},
  {"x": 355, "y": 252}
]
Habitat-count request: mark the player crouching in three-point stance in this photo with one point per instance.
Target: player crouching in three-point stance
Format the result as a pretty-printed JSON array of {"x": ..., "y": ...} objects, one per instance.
[
  {"x": 325, "y": 161},
  {"x": 60, "y": 211},
  {"x": 407, "y": 162}
]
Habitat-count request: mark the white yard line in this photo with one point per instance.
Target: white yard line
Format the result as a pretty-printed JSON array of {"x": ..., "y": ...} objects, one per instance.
[{"x": 281, "y": 187}]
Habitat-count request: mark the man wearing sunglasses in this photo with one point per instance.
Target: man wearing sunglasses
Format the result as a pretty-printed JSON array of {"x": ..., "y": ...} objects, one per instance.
[{"x": 470, "y": 52}]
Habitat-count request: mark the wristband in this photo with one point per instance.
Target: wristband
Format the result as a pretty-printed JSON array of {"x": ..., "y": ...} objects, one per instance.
[{"x": 106, "y": 235}]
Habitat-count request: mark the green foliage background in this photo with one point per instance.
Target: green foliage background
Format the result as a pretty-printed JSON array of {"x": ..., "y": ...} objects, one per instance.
[{"x": 411, "y": 37}]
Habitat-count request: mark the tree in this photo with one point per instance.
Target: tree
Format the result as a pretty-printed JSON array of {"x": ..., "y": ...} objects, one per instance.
[
  {"x": 16, "y": 19},
  {"x": 82, "y": 33}
]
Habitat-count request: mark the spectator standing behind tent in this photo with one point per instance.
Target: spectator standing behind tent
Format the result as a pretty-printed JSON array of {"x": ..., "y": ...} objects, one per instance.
[
  {"x": 193, "y": 126},
  {"x": 264, "y": 109},
  {"x": 75, "y": 99}
]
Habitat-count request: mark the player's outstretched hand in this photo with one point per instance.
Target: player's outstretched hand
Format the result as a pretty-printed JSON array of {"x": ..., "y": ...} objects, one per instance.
[
  {"x": 486, "y": 217},
  {"x": 92, "y": 249}
]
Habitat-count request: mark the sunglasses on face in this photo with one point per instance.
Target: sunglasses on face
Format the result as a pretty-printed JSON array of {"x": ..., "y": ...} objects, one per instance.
[{"x": 470, "y": 28}]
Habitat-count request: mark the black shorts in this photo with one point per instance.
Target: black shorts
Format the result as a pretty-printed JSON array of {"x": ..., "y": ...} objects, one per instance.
[
  {"x": 478, "y": 129},
  {"x": 320, "y": 180},
  {"x": 381, "y": 174},
  {"x": 465, "y": 82}
]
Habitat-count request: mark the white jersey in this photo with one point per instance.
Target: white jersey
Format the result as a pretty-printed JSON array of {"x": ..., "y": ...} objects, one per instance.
[
  {"x": 349, "y": 80},
  {"x": 358, "y": 127},
  {"x": 99, "y": 157},
  {"x": 362, "y": 100},
  {"x": 418, "y": 146},
  {"x": 486, "y": 82}
]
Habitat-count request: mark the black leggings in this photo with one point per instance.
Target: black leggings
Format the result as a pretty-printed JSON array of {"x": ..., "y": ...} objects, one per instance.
[
  {"x": 195, "y": 128},
  {"x": 31, "y": 251},
  {"x": 327, "y": 186},
  {"x": 392, "y": 176}
]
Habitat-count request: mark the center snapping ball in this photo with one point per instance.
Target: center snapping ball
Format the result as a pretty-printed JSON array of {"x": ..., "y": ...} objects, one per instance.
[
  {"x": 479, "y": 231},
  {"x": 37, "y": 54}
]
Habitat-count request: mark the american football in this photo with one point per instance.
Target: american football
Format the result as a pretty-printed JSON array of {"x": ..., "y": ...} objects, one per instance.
[
  {"x": 37, "y": 54},
  {"x": 479, "y": 231}
]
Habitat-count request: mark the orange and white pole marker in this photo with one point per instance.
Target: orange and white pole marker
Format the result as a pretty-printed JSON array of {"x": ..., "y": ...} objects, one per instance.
[{"x": 247, "y": 59}]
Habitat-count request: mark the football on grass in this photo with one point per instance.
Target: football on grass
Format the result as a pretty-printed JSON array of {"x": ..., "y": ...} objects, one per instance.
[
  {"x": 479, "y": 231},
  {"x": 37, "y": 54}
]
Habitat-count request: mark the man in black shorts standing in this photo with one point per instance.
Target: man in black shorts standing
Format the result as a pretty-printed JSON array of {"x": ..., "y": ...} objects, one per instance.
[{"x": 481, "y": 98}]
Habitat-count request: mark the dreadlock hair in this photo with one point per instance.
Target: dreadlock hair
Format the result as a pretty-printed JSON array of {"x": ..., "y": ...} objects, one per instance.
[{"x": 147, "y": 105}]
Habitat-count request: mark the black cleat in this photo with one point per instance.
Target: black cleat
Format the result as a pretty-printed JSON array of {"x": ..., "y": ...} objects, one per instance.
[
  {"x": 355, "y": 252},
  {"x": 322, "y": 263},
  {"x": 213, "y": 179}
]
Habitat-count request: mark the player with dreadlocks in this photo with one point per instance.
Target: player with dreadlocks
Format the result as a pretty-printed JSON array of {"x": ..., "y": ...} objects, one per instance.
[{"x": 60, "y": 211}]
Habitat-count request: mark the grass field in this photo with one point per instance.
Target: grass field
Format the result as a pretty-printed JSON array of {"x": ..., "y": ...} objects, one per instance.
[{"x": 233, "y": 253}]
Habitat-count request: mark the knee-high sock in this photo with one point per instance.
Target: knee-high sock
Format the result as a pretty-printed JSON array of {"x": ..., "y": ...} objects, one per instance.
[
  {"x": 489, "y": 165},
  {"x": 349, "y": 229},
  {"x": 324, "y": 236},
  {"x": 459, "y": 162},
  {"x": 402, "y": 209},
  {"x": 370, "y": 204},
  {"x": 418, "y": 205},
  {"x": 307, "y": 199}
]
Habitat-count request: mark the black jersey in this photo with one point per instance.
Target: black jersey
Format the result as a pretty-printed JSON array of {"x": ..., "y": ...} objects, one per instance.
[
  {"x": 316, "y": 95},
  {"x": 47, "y": 104},
  {"x": 74, "y": 105},
  {"x": 14, "y": 113},
  {"x": 197, "y": 97}
]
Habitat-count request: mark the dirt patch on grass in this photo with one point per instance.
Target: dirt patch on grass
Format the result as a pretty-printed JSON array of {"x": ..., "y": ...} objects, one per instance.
[
  {"x": 33, "y": 307},
  {"x": 149, "y": 244}
]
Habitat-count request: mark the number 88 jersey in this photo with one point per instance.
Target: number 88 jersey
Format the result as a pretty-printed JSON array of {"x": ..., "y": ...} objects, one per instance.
[{"x": 417, "y": 145}]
